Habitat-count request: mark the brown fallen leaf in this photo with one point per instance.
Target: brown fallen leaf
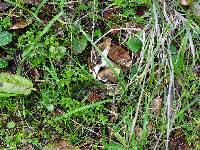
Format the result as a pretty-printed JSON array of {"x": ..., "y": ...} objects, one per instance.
[
  {"x": 60, "y": 145},
  {"x": 109, "y": 13},
  {"x": 197, "y": 71},
  {"x": 120, "y": 55},
  {"x": 140, "y": 10},
  {"x": 34, "y": 73},
  {"x": 96, "y": 95},
  {"x": 105, "y": 44},
  {"x": 113, "y": 112},
  {"x": 108, "y": 75},
  {"x": 19, "y": 25},
  {"x": 178, "y": 141}
]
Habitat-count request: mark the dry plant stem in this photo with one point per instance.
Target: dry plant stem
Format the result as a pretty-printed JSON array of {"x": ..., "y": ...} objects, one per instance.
[
  {"x": 92, "y": 53},
  {"x": 192, "y": 48},
  {"x": 119, "y": 29},
  {"x": 66, "y": 3},
  {"x": 170, "y": 96},
  {"x": 155, "y": 17},
  {"x": 79, "y": 19},
  {"x": 136, "y": 114},
  {"x": 171, "y": 83},
  {"x": 166, "y": 38},
  {"x": 10, "y": 15},
  {"x": 155, "y": 147},
  {"x": 164, "y": 12},
  {"x": 143, "y": 78}
]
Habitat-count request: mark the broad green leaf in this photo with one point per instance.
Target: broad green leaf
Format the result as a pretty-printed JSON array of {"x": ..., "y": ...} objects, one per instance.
[
  {"x": 134, "y": 44},
  {"x": 5, "y": 38},
  {"x": 12, "y": 85},
  {"x": 79, "y": 45},
  {"x": 7, "y": 95},
  {"x": 10, "y": 125},
  {"x": 3, "y": 63},
  {"x": 50, "y": 107}
]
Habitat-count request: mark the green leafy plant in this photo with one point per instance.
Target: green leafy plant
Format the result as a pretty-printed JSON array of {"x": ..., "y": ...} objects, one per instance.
[
  {"x": 134, "y": 44},
  {"x": 3, "y": 63},
  {"x": 5, "y": 37},
  {"x": 79, "y": 45},
  {"x": 13, "y": 85},
  {"x": 11, "y": 125}
]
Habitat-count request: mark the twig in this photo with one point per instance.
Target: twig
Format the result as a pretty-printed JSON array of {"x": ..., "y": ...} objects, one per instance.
[
  {"x": 119, "y": 29},
  {"x": 155, "y": 147},
  {"x": 192, "y": 47}
]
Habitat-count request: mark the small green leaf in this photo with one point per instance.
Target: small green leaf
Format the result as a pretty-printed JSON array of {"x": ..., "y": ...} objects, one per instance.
[
  {"x": 79, "y": 45},
  {"x": 10, "y": 125},
  {"x": 98, "y": 33},
  {"x": 3, "y": 63},
  {"x": 50, "y": 107},
  {"x": 134, "y": 44},
  {"x": 12, "y": 85},
  {"x": 83, "y": 7},
  {"x": 5, "y": 38}
]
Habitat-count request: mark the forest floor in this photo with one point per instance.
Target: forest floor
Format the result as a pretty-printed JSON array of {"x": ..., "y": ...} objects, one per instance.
[{"x": 101, "y": 74}]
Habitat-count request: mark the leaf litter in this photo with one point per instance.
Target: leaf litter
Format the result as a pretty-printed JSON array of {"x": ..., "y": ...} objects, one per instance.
[
  {"x": 117, "y": 55},
  {"x": 19, "y": 25}
]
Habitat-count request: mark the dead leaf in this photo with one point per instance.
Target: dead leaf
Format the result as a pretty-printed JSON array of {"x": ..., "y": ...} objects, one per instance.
[
  {"x": 113, "y": 112},
  {"x": 86, "y": 145},
  {"x": 156, "y": 105},
  {"x": 4, "y": 6},
  {"x": 108, "y": 75},
  {"x": 105, "y": 44},
  {"x": 109, "y": 13},
  {"x": 19, "y": 25},
  {"x": 96, "y": 95},
  {"x": 120, "y": 55},
  {"x": 184, "y": 2},
  {"x": 140, "y": 10},
  {"x": 178, "y": 140},
  {"x": 34, "y": 73},
  {"x": 197, "y": 71},
  {"x": 60, "y": 145}
]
